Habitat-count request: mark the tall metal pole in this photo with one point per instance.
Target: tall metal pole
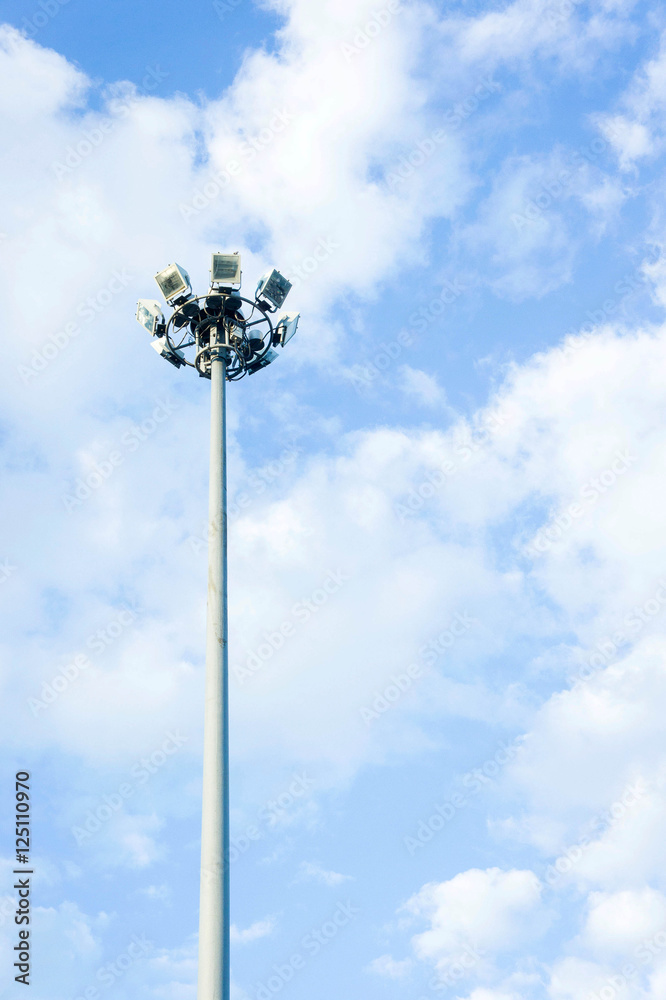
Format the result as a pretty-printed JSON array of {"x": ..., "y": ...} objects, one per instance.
[
  {"x": 225, "y": 344},
  {"x": 214, "y": 938}
]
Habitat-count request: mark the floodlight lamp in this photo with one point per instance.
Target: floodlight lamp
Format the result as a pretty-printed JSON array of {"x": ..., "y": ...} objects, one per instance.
[
  {"x": 173, "y": 281},
  {"x": 286, "y": 328},
  {"x": 174, "y": 357},
  {"x": 149, "y": 314},
  {"x": 269, "y": 356},
  {"x": 274, "y": 287},
  {"x": 225, "y": 269}
]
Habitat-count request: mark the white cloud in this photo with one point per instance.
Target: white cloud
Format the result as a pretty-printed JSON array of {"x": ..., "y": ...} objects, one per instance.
[
  {"x": 618, "y": 922},
  {"x": 640, "y": 132},
  {"x": 83, "y": 219},
  {"x": 171, "y": 973},
  {"x": 72, "y": 949},
  {"x": 522, "y": 230},
  {"x": 422, "y": 386},
  {"x": 485, "y": 994},
  {"x": 390, "y": 968},
  {"x": 525, "y": 29},
  {"x": 630, "y": 139},
  {"x": 572, "y": 977},
  {"x": 159, "y": 893},
  {"x": 257, "y": 930},
  {"x": 48, "y": 81},
  {"x": 600, "y": 770},
  {"x": 527, "y": 229},
  {"x": 485, "y": 911},
  {"x": 317, "y": 180},
  {"x": 315, "y": 872}
]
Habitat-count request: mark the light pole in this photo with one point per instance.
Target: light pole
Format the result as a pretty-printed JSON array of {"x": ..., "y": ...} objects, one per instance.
[{"x": 223, "y": 345}]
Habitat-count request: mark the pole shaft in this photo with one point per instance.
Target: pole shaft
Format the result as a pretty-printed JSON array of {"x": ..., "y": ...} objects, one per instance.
[{"x": 214, "y": 944}]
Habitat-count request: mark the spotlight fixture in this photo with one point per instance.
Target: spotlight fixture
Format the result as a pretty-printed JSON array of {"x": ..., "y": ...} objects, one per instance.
[
  {"x": 273, "y": 287},
  {"x": 286, "y": 328},
  {"x": 173, "y": 281},
  {"x": 149, "y": 314},
  {"x": 173, "y": 356},
  {"x": 262, "y": 362},
  {"x": 221, "y": 324},
  {"x": 225, "y": 269}
]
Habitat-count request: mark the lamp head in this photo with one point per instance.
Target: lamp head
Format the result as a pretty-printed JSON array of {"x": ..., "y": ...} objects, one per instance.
[
  {"x": 286, "y": 328},
  {"x": 173, "y": 281},
  {"x": 273, "y": 287},
  {"x": 255, "y": 366},
  {"x": 225, "y": 269},
  {"x": 176, "y": 358},
  {"x": 149, "y": 314}
]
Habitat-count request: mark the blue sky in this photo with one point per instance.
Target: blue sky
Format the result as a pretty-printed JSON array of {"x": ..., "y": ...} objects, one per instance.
[{"x": 449, "y": 780}]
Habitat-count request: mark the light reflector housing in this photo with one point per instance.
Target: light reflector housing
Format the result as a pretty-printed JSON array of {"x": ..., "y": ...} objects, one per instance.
[
  {"x": 286, "y": 327},
  {"x": 149, "y": 314},
  {"x": 225, "y": 269},
  {"x": 274, "y": 287},
  {"x": 269, "y": 356},
  {"x": 176, "y": 357},
  {"x": 173, "y": 281}
]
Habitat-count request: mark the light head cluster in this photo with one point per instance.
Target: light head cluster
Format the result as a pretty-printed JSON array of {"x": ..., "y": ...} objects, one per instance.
[{"x": 222, "y": 320}]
